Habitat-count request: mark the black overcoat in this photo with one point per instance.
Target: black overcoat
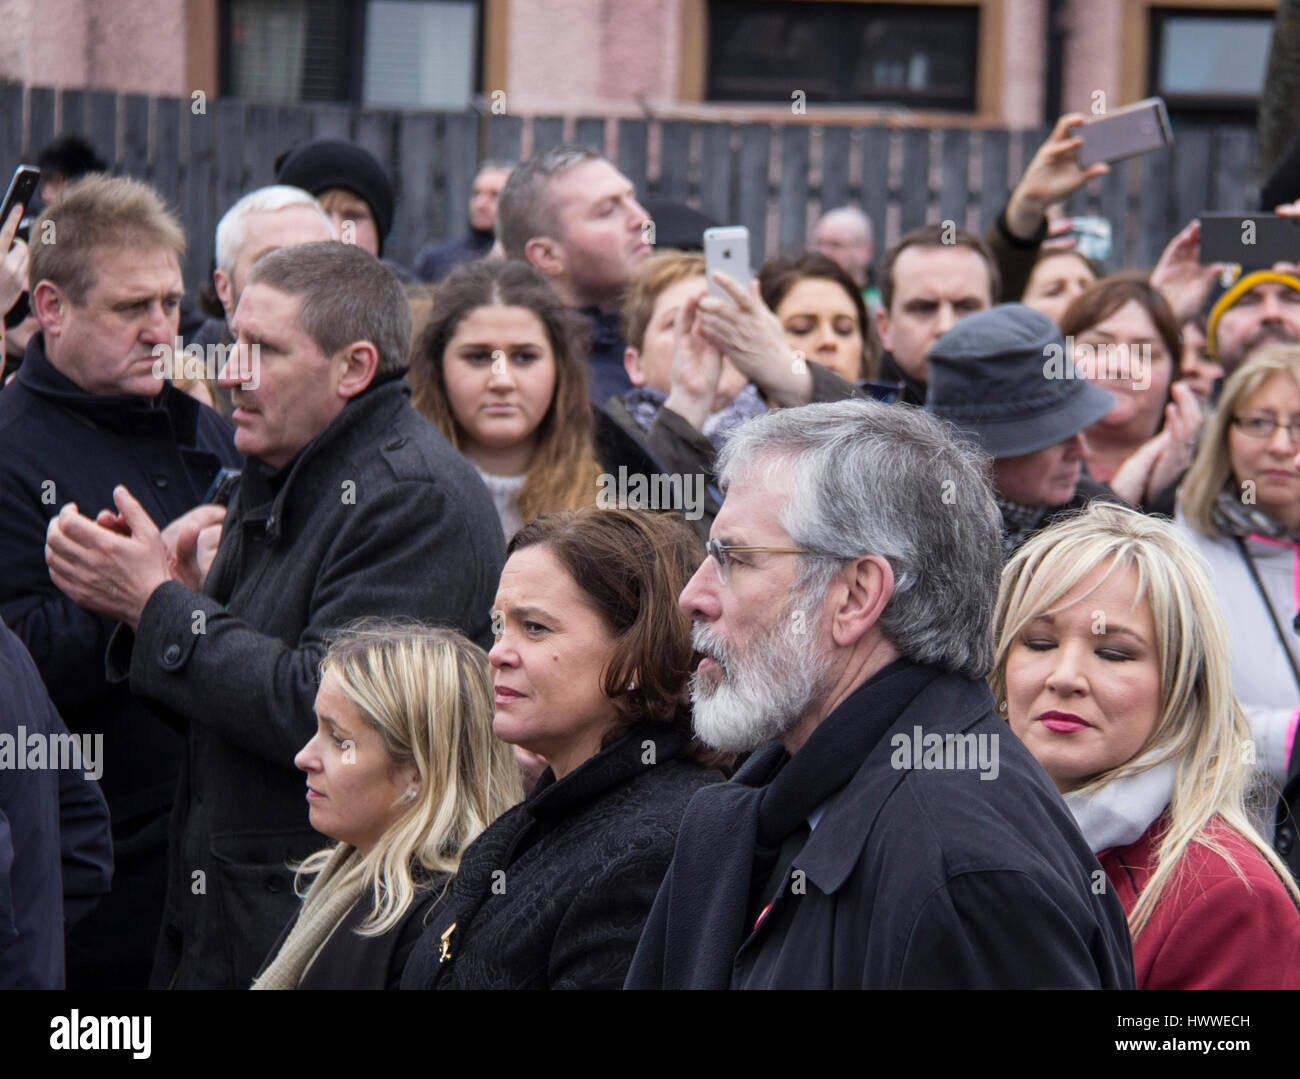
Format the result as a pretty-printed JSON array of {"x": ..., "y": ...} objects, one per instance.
[
  {"x": 377, "y": 516},
  {"x": 914, "y": 877},
  {"x": 553, "y": 895},
  {"x": 60, "y": 444}
]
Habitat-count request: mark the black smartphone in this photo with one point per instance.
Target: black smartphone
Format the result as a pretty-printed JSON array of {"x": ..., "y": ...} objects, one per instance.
[
  {"x": 222, "y": 487},
  {"x": 1254, "y": 241},
  {"x": 1135, "y": 129},
  {"x": 21, "y": 189}
]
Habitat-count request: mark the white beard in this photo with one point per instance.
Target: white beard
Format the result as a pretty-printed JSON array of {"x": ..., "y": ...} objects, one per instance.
[{"x": 743, "y": 703}]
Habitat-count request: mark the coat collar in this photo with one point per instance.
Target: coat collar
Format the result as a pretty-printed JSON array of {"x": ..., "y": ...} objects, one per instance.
[
  {"x": 121, "y": 413},
  {"x": 264, "y": 491},
  {"x": 949, "y": 704},
  {"x": 617, "y": 763}
]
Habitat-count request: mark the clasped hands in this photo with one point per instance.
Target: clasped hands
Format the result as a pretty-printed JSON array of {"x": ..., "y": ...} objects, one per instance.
[{"x": 113, "y": 564}]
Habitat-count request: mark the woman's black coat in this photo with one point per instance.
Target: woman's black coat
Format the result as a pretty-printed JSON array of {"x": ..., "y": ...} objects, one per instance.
[
  {"x": 350, "y": 961},
  {"x": 554, "y": 894}
]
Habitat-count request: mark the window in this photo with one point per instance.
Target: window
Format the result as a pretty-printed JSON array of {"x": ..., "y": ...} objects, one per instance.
[
  {"x": 1209, "y": 66},
  {"x": 403, "y": 53},
  {"x": 844, "y": 53}
]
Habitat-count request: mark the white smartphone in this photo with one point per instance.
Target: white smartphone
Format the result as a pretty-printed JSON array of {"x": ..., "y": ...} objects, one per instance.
[{"x": 727, "y": 249}]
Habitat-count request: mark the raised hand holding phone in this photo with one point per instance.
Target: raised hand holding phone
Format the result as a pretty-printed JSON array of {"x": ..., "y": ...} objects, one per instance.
[{"x": 13, "y": 267}]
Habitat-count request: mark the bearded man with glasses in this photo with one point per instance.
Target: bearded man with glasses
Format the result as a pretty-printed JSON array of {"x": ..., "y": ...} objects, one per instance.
[{"x": 844, "y": 619}]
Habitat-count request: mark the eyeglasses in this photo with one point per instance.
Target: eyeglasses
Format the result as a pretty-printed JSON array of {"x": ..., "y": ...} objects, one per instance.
[
  {"x": 718, "y": 551},
  {"x": 1264, "y": 426}
]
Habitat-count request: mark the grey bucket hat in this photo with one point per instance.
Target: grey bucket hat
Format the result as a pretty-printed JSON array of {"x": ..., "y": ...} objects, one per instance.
[{"x": 1002, "y": 375}]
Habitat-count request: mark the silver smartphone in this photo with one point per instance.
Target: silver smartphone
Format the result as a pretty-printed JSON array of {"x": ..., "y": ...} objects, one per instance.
[
  {"x": 1135, "y": 129},
  {"x": 727, "y": 249}
]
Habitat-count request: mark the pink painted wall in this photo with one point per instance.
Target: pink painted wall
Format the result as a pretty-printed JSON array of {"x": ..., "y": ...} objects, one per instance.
[
  {"x": 576, "y": 55},
  {"x": 1094, "y": 57},
  {"x": 1024, "y": 32},
  {"x": 135, "y": 46}
]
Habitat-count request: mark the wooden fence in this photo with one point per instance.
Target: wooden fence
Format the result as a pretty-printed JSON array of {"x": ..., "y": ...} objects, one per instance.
[{"x": 202, "y": 155}]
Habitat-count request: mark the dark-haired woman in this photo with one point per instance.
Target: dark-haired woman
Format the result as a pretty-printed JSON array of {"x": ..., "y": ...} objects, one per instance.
[
  {"x": 822, "y": 314},
  {"x": 500, "y": 370},
  {"x": 590, "y": 668},
  {"x": 1125, "y": 339}
]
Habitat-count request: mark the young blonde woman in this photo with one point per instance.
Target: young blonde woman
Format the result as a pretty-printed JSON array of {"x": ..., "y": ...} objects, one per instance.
[
  {"x": 404, "y": 772},
  {"x": 1112, "y": 667}
]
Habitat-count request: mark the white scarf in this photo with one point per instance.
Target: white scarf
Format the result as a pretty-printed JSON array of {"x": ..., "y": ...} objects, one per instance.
[{"x": 1120, "y": 812}]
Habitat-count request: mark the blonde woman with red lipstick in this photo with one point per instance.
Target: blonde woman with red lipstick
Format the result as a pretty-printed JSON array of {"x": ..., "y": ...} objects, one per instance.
[{"x": 1112, "y": 666}]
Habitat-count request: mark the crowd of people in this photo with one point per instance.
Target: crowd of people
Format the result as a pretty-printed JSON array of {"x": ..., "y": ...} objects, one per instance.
[{"x": 557, "y": 614}]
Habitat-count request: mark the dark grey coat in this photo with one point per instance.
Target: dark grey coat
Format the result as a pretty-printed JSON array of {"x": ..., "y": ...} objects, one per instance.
[{"x": 377, "y": 516}]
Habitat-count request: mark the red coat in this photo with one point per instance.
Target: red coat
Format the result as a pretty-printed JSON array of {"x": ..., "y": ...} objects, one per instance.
[{"x": 1209, "y": 931}]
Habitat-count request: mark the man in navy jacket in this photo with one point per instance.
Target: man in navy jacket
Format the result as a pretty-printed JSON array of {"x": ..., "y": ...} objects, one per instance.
[{"x": 89, "y": 410}]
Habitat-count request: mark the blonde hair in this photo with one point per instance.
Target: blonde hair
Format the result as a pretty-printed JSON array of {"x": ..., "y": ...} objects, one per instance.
[
  {"x": 1211, "y": 470},
  {"x": 1201, "y": 726},
  {"x": 108, "y": 212},
  {"x": 428, "y": 692}
]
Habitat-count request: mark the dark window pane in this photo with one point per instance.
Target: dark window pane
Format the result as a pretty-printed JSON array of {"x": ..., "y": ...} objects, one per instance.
[
  {"x": 844, "y": 52},
  {"x": 289, "y": 50}
]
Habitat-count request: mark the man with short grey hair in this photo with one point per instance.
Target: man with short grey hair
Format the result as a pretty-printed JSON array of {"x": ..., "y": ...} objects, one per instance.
[
  {"x": 351, "y": 505},
  {"x": 262, "y": 221},
  {"x": 888, "y": 830},
  {"x": 575, "y": 218}
]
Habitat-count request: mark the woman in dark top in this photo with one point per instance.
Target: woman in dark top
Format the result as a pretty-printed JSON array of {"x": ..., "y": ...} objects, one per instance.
[
  {"x": 404, "y": 772},
  {"x": 590, "y": 667}
]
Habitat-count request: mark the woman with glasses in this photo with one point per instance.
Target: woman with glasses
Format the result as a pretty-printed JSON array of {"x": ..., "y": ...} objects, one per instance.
[{"x": 1240, "y": 505}]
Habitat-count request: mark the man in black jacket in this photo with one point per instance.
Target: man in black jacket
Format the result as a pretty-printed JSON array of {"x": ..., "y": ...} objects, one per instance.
[
  {"x": 436, "y": 260},
  {"x": 351, "y": 505},
  {"x": 576, "y": 218},
  {"x": 888, "y": 830},
  {"x": 87, "y": 411}
]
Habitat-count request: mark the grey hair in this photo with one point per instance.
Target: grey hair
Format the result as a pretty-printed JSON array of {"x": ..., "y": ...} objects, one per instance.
[
  {"x": 848, "y": 213},
  {"x": 347, "y": 295},
  {"x": 525, "y": 209},
  {"x": 232, "y": 228},
  {"x": 889, "y": 480}
]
